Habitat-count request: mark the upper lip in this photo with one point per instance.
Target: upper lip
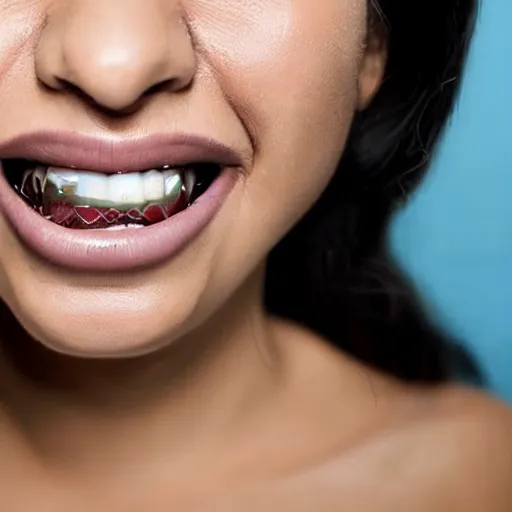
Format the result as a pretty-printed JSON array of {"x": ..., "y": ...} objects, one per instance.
[{"x": 109, "y": 155}]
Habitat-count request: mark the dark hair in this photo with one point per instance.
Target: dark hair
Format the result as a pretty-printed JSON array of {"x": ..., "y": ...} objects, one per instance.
[{"x": 331, "y": 273}]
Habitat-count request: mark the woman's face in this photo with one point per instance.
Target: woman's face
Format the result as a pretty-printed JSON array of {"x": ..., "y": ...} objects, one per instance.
[{"x": 276, "y": 81}]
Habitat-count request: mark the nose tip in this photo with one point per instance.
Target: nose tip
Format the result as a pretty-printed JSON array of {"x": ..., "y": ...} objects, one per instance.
[{"x": 116, "y": 53}]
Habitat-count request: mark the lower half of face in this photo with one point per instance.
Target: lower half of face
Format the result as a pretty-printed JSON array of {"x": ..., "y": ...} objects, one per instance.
[{"x": 277, "y": 82}]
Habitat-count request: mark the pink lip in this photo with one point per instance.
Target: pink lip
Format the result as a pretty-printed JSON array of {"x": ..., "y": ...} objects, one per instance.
[
  {"x": 127, "y": 249},
  {"x": 114, "y": 155}
]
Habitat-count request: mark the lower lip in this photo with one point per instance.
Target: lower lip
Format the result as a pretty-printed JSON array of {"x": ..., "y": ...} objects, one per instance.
[{"x": 113, "y": 250}]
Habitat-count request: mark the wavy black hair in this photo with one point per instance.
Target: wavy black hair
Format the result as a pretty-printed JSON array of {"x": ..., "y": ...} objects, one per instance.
[{"x": 332, "y": 272}]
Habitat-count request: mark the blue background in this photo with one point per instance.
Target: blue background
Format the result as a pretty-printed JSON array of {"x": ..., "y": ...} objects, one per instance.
[{"x": 454, "y": 238}]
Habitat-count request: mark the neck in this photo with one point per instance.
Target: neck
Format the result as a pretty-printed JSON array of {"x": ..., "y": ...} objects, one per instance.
[{"x": 195, "y": 389}]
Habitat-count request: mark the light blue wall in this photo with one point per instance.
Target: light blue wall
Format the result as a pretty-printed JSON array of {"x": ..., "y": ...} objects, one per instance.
[{"x": 455, "y": 238}]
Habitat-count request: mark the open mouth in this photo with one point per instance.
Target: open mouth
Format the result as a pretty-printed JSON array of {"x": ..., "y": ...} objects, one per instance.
[
  {"x": 75, "y": 200},
  {"x": 80, "y": 199}
]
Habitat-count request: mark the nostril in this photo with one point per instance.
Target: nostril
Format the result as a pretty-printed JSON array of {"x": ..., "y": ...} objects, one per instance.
[
  {"x": 164, "y": 85},
  {"x": 99, "y": 106}
]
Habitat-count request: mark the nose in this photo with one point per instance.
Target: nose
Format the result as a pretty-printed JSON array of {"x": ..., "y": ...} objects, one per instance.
[{"x": 115, "y": 52}]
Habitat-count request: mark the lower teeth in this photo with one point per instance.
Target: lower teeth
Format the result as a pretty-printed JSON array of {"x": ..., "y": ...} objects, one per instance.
[
  {"x": 123, "y": 226},
  {"x": 68, "y": 199}
]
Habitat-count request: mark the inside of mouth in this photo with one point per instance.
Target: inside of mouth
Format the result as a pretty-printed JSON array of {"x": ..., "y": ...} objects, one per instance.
[{"x": 79, "y": 199}]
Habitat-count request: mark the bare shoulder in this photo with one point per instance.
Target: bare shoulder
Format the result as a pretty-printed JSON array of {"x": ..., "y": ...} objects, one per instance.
[
  {"x": 451, "y": 451},
  {"x": 461, "y": 446},
  {"x": 464, "y": 414},
  {"x": 448, "y": 450}
]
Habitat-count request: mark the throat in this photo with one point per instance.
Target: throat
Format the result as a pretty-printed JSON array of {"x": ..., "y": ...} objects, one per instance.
[{"x": 124, "y": 415}]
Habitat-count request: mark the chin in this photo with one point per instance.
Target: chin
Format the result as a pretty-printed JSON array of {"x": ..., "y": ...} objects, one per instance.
[{"x": 104, "y": 322}]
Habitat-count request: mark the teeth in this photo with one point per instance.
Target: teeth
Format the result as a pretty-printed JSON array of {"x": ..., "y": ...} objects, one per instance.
[
  {"x": 153, "y": 186},
  {"x": 190, "y": 182},
  {"x": 91, "y": 185},
  {"x": 65, "y": 182},
  {"x": 38, "y": 178},
  {"x": 124, "y": 189},
  {"x": 118, "y": 190},
  {"x": 31, "y": 186},
  {"x": 172, "y": 184},
  {"x": 124, "y": 226}
]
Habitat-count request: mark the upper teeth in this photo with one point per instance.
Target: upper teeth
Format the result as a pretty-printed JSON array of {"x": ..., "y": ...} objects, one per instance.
[{"x": 130, "y": 189}]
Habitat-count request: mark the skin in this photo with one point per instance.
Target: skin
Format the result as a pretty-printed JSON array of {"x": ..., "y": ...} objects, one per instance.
[{"x": 172, "y": 386}]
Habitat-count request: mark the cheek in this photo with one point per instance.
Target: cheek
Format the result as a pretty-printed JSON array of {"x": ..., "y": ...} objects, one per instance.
[
  {"x": 247, "y": 33},
  {"x": 290, "y": 71},
  {"x": 19, "y": 30},
  {"x": 241, "y": 32}
]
